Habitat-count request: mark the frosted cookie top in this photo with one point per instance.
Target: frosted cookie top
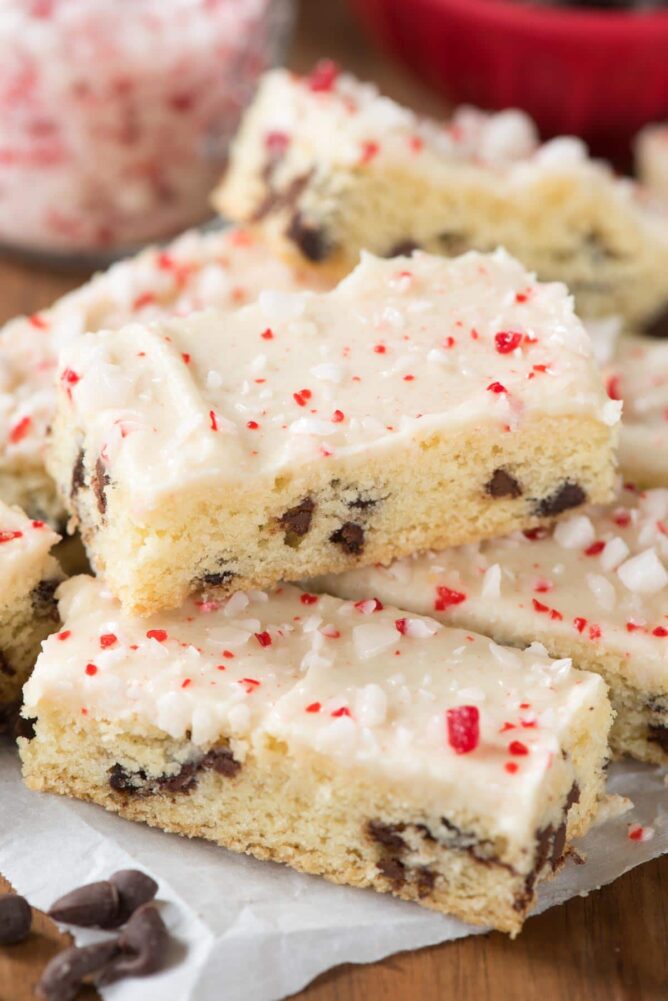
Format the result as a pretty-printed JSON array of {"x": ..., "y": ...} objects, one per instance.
[
  {"x": 330, "y": 115},
  {"x": 226, "y": 269},
  {"x": 598, "y": 578},
  {"x": 24, "y": 548},
  {"x": 401, "y": 347},
  {"x": 370, "y": 687}
]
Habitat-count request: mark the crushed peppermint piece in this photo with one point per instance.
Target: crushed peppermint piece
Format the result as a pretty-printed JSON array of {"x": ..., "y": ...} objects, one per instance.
[{"x": 463, "y": 728}]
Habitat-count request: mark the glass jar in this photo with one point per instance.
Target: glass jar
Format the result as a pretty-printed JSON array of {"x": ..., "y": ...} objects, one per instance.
[{"x": 115, "y": 115}]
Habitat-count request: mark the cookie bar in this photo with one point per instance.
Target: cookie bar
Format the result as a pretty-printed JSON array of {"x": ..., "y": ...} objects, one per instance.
[
  {"x": 224, "y": 269},
  {"x": 651, "y": 156},
  {"x": 594, "y": 589},
  {"x": 329, "y": 167},
  {"x": 638, "y": 375},
  {"x": 345, "y": 740},
  {"x": 29, "y": 576},
  {"x": 422, "y": 402}
]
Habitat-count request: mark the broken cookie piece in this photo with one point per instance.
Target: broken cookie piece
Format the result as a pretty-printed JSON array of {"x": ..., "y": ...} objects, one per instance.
[{"x": 344, "y": 739}]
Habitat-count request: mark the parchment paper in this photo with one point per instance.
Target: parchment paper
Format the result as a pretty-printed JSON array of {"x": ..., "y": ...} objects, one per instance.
[{"x": 254, "y": 931}]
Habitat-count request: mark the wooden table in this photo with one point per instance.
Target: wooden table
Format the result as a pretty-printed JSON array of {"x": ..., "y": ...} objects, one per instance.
[{"x": 610, "y": 946}]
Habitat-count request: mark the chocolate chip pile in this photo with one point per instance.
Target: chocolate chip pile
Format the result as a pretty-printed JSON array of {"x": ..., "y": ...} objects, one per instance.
[{"x": 123, "y": 901}]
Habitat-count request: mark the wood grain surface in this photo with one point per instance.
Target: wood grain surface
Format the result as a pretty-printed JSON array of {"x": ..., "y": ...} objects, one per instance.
[{"x": 609, "y": 946}]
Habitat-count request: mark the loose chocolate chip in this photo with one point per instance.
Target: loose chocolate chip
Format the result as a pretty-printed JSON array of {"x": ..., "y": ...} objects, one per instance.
[
  {"x": 216, "y": 578},
  {"x": 387, "y": 835},
  {"x": 95, "y": 905},
  {"x": 296, "y": 521},
  {"x": 5, "y": 667},
  {"x": 394, "y": 870},
  {"x": 78, "y": 474},
  {"x": 658, "y": 734},
  {"x": 568, "y": 495},
  {"x": 135, "y": 888},
  {"x": 70, "y": 970},
  {"x": 142, "y": 947},
  {"x": 502, "y": 484},
  {"x": 350, "y": 537},
  {"x": 15, "y": 919},
  {"x": 98, "y": 481},
  {"x": 310, "y": 239},
  {"x": 404, "y": 248},
  {"x": 221, "y": 760}
]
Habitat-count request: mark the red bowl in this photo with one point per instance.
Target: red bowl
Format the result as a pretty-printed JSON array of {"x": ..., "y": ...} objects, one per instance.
[{"x": 598, "y": 74}]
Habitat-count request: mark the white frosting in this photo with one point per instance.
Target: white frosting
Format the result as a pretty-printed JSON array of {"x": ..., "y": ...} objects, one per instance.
[
  {"x": 24, "y": 552},
  {"x": 408, "y": 345},
  {"x": 324, "y": 676},
  {"x": 638, "y": 375},
  {"x": 598, "y": 578},
  {"x": 226, "y": 270}
]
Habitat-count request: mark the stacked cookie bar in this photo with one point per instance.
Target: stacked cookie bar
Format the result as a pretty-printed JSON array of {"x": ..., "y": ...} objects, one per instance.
[{"x": 427, "y": 445}]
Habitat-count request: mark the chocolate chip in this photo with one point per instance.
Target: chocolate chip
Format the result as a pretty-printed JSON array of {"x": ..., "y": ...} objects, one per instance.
[
  {"x": 558, "y": 845},
  {"x": 98, "y": 481},
  {"x": 141, "y": 947},
  {"x": 404, "y": 248},
  {"x": 221, "y": 760},
  {"x": 216, "y": 578},
  {"x": 387, "y": 835},
  {"x": 78, "y": 474},
  {"x": 274, "y": 201},
  {"x": 568, "y": 495},
  {"x": 67, "y": 972},
  {"x": 310, "y": 239},
  {"x": 121, "y": 780},
  {"x": 139, "y": 784},
  {"x": 184, "y": 781},
  {"x": 363, "y": 503},
  {"x": 502, "y": 484},
  {"x": 658, "y": 325},
  {"x": 135, "y": 888},
  {"x": 394, "y": 870},
  {"x": 453, "y": 244},
  {"x": 296, "y": 521},
  {"x": 22, "y": 727},
  {"x": 573, "y": 797},
  {"x": 350, "y": 537},
  {"x": 658, "y": 734},
  {"x": 95, "y": 905},
  {"x": 425, "y": 880},
  {"x": 5, "y": 667},
  {"x": 43, "y": 599},
  {"x": 15, "y": 919}
]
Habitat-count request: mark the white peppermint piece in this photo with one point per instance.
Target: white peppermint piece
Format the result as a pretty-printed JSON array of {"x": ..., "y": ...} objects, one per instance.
[
  {"x": 615, "y": 552},
  {"x": 603, "y": 590},
  {"x": 491, "y": 582},
  {"x": 644, "y": 573},
  {"x": 372, "y": 639},
  {"x": 575, "y": 533},
  {"x": 371, "y": 705}
]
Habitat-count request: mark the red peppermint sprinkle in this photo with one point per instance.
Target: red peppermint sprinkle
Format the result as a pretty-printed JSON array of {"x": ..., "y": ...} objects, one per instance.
[
  {"x": 380, "y": 349},
  {"x": 409, "y": 378},
  {"x": 622, "y": 518},
  {"x": 343, "y": 711},
  {"x": 91, "y": 669},
  {"x": 250, "y": 684},
  {"x": 228, "y": 654},
  {"x": 186, "y": 682},
  {"x": 186, "y": 357},
  {"x": 157, "y": 634},
  {"x": 613, "y": 387},
  {"x": 20, "y": 430},
  {"x": 506, "y": 341},
  {"x": 496, "y": 387},
  {"x": 521, "y": 296},
  {"x": 38, "y": 524},
  {"x": 338, "y": 416},
  {"x": 632, "y": 627},
  {"x": 369, "y": 605},
  {"x": 594, "y": 632},
  {"x": 580, "y": 624},
  {"x": 267, "y": 335},
  {"x": 263, "y": 638},
  {"x": 595, "y": 548},
  {"x": 331, "y": 632},
  {"x": 370, "y": 150},
  {"x": 323, "y": 77},
  {"x": 445, "y": 597},
  {"x": 252, "y": 425},
  {"x": 511, "y": 767},
  {"x": 213, "y": 420},
  {"x": 10, "y": 536},
  {"x": 416, "y": 143},
  {"x": 314, "y": 707},
  {"x": 401, "y": 625},
  {"x": 107, "y": 640},
  {"x": 534, "y": 534},
  {"x": 507, "y": 726},
  {"x": 276, "y": 142},
  {"x": 552, "y": 612},
  {"x": 64, "y": 635},
  {"x": 308, "y": 599},
  {"x": 38, "y": 322},
  {"x": 463, "y": 727},
  {"x": 143, "y": 299},
  {"x": 517, "y": 748},
  {"x": 660, "y": 631},
  {"x": 70, "y": 377}
]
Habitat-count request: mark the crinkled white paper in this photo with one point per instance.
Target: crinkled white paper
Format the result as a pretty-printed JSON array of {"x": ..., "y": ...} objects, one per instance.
[{"x": 254, "y": 931}]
